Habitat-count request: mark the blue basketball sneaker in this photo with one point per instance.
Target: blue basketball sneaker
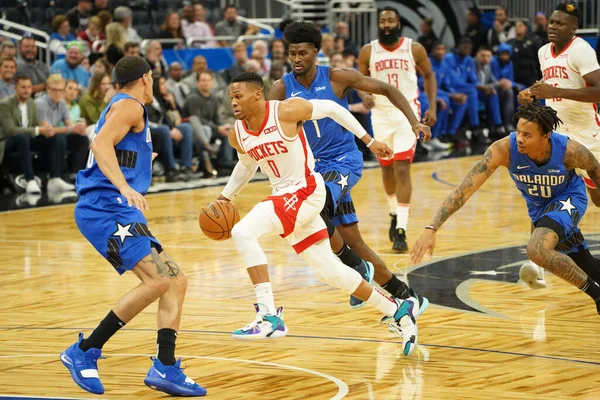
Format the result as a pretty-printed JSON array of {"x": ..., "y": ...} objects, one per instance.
[
  {"x": 264, "y": 326},
  {"x": 404, "y": 324},
  {"x": 171, "y": 379},
  {"x": 367, "y": 271},
  {"x": 83, "y": 366},
  {"x": 423, "y": 302}
]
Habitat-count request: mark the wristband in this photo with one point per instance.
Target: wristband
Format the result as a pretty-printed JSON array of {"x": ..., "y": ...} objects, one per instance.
[
  {"x": 371, "y": 142},
  {"x": 431, "y": 227}
]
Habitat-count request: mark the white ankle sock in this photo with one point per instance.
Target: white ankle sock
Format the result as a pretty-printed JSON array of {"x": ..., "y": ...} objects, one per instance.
[
  {"x": 392, "y": 203},
  {"x": 264, "y": 296},
  {"x": 383, "y": 303},
  {"x": 402, "y": 218}
]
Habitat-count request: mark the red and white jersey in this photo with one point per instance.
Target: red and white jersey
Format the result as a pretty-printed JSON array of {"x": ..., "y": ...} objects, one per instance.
[
  {"x": 396, "y": 67},
  {"x": 287, "y": 161},
  {"x": 566, "y": 70}
]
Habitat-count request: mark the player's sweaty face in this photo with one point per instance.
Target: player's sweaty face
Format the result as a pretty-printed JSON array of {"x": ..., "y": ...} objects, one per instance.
[
  {"x": 303, "y": 57},
  {"x": 529, "y": 136},
  {"x": 560, "y": 27}
]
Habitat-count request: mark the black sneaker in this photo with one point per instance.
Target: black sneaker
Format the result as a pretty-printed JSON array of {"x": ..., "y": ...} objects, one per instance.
[
  {"x": 400, "y": 241},
  {"x": 392, "y": 232}
]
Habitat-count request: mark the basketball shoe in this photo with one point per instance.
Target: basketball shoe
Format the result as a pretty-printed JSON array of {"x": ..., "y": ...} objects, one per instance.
[
  {"x": 423, "y": 304},
  {"x": 392, "y": 231},
  {"x": 532, "y": 275},
  {"x": 83, "y": 366},
  {"x": 171, "y": 379},
  {"x": 404, "y": 324},
  {"x": 264, "y": 326},
  {"x": 400, "y": 244},
  {"x": 367, "y": 271}
]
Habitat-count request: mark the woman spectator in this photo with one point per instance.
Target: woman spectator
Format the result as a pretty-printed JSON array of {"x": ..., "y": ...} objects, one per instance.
[
  {"x": 105, "y": 19},
  {"x": 96, "y": 98},
  {"x": 115, "y": 41},
  {"x": 100, "y": 67},
  {"x": 168, "y": 131},
  {"x": 92, "y": 33},
  {"x": 71, "y": 94},
  {"x": 525, "y": 60},
  {"x": 61, "y": 33},
  {"x": 171, "y": 29}
]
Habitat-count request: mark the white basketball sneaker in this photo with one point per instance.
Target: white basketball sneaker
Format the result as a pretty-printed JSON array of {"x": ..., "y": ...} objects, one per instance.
[
  {"x": 532, "y": 275},
  {"x": 264, "y": 326},
  {"x": 404, "y": 324}
]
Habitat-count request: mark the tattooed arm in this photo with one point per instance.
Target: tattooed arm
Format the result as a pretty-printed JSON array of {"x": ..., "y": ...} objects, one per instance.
[
  {"x": 496, "y": 155},
  {"x": 578, "y": 156}
]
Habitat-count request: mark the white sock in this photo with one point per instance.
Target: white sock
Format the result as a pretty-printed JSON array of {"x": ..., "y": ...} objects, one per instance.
[
  {"x": 393, "y": 203},
  {"x": 383, "y": 303},
  {"x": 402, "y": 218},
  {"x": 264, "y": 296}
]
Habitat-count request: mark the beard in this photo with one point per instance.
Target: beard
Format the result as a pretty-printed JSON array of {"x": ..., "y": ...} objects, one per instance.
[{"x": 387, "y": 39}]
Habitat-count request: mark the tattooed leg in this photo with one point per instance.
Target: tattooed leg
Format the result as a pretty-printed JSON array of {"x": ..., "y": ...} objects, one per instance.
[{"x": 171, "y": 303}]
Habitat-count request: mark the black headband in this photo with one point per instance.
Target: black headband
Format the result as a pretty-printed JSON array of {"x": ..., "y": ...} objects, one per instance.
[{"x": 124, "y": 78}]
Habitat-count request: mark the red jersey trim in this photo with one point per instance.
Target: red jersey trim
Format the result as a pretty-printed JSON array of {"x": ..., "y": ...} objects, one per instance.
[
  {"x": 249, "y": 132},
  {"x": 563, "y": 50}
]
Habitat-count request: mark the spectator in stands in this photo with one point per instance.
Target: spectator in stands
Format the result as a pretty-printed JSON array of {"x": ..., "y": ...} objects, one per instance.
[
  {"x": 257, "y": 56},
  {"x": 132, "y": 49},
  {"x": 69, "y": 66},
  {"x": 502, "y": 68},
  {"x": 85, "y": 63},
  {"x": 91, "y": 34},
  {"x": 428, "y": 37},
  {"x": 71, "y": 95},
  {"x": 201, "y": 103},
  {"x": 461, "y": 68},
  {"x": 275, "y": 74},
  {"x": 443, "y": 112},
  {"x": 171, "y": 29},
  {"x": 124, "y": 16},
  {"x": 252, "y": 66},
  {"x": 79, "y": 15},
  {"x": 343, "y": 31},
  {"x": 458, "y": 100},
  {"x": 200, "y": 65},
  {"x": 61, "y": 33},
  {"x": 100, "y": 66},
  {"x": 541, "y": 27},
  {"x": 263, "y": 49},
  {"x": 230, "y": 26},
  {"x": 105, "y": 19},
  {"x": 92, "y": 103},
  {"x": 52, "y": 109},
  {"x": 488, "y": 89},
  {"x": 349, "y": 58},
  {"x": 240, "y": 53},
  {"x": 175, "y": 86},
  {"x": 327, "y": 48},
  {"x": 169, "y": 130},
  {"x": 100, "y": 6},
  {"x": 502, "y": 31},
  {"x": 339, "y": 44},
  {"x": 187, "y": 14},
  {"x": 525, "y": 55},
  {"x": 154, "y": 56},
  {"x": 279, "y": 54},
  {"x": 115, "y": 42},
  {"x": 337, "y": 61},
  {"x": 23, "y": 130},
  {"x": 8, "y": 69},
  {"x": 197, "y": 27},
  {"x": 476, "y": 31},
  {"x": 8, "y": 49},
  {"x": 28, "y": 65}
]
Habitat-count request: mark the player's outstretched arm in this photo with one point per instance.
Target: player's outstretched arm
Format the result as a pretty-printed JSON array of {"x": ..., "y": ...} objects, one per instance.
[
  {"x": 495, "y": 155},
  {"x": 297, "y": 110},
  {"x": 578, "y": 156},
  {"x": 353, "y": 79},
  {"x": 243, "y": 171},
  {"x": 122, "y": 117}
]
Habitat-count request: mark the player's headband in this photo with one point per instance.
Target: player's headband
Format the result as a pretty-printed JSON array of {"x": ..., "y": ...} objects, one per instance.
[{"x": 123, "y": 78}]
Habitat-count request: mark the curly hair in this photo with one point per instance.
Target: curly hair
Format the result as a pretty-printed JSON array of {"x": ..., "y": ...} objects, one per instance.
[
  {"x": 546, "y": 117},
  {"x": 303, "y": 32}
]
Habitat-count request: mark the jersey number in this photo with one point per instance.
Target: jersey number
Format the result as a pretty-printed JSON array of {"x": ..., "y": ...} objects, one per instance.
[
  {"x": 543, "y": 191},
  {"x": 556, "y": 98},
  {"x": 90, "y": 160},
  {"x": 274, "y": 168},
  {"x": 393, "y": 80},
  {"x": 317, "y": 130}
]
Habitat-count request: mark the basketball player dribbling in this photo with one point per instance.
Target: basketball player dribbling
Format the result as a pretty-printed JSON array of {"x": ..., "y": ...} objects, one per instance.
[
  {"x": 109, "y": 215},
  {"x": 269, "y": 135},
  {"x": 571, "y": 86},
  {"x": 395, "y": 60}
]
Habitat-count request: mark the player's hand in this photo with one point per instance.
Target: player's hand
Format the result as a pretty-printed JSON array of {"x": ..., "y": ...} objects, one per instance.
[
  {"x": 425, "y": 244},
  {"x": 442, "y": 103},
  {"x": 422, "y": 131},
  {"x": 542, "y": 90},
  {"x": 134, "y": 198},
  {"x": 154, "y": 155},
  {"x": 176, "y": 135},
  {"x": 381, "y": 150},
  {"x": 524, "y": 96},
  {"x": 368, "y": 101},
  {"x": 460, "y": 98},
  {"x": 430, "y": 117}
]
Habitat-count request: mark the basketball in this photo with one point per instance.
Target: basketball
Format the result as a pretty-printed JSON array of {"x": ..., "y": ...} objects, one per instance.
[{"x": 217, "y": 219}]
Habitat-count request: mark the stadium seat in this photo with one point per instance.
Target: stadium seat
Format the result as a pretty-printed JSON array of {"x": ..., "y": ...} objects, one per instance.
[
  {"x": 145, "y": 31},
  {"x": 14, "y": 14}
]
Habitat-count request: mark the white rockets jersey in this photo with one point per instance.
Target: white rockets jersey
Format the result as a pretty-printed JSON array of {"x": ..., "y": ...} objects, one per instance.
[
  {"x": 288, "y": 162},
  {"x": 396, "y": 67},
  {"x": 566, "y": 70}
]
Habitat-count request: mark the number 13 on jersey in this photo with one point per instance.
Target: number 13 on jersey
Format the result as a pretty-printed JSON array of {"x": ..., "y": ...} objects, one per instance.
[{"x": 393, "y": 80}]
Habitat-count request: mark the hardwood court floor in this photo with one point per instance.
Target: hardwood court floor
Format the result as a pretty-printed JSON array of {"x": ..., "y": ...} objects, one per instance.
[{"x": 525, "y": 345}]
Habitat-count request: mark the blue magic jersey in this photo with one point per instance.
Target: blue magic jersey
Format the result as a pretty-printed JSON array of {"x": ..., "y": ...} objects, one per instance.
[
  {"x": 329, "y": 142},
  {"x": 541, "y": 185},
  {"x": 134, "y": 154}
]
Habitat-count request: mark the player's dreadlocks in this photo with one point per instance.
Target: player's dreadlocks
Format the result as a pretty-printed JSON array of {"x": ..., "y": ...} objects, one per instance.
[{"x": 545, "y": 117}]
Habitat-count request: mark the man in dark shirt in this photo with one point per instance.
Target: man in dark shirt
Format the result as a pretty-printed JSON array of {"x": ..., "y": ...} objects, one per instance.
[
  {"x": 475, "y": 29},
  {"x": 428, "y": 38},
  {"x": 79, "y": 15}
]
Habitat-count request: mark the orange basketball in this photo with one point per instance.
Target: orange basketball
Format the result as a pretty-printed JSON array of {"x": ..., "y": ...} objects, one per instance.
[{"x": 217, "y": 219}]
